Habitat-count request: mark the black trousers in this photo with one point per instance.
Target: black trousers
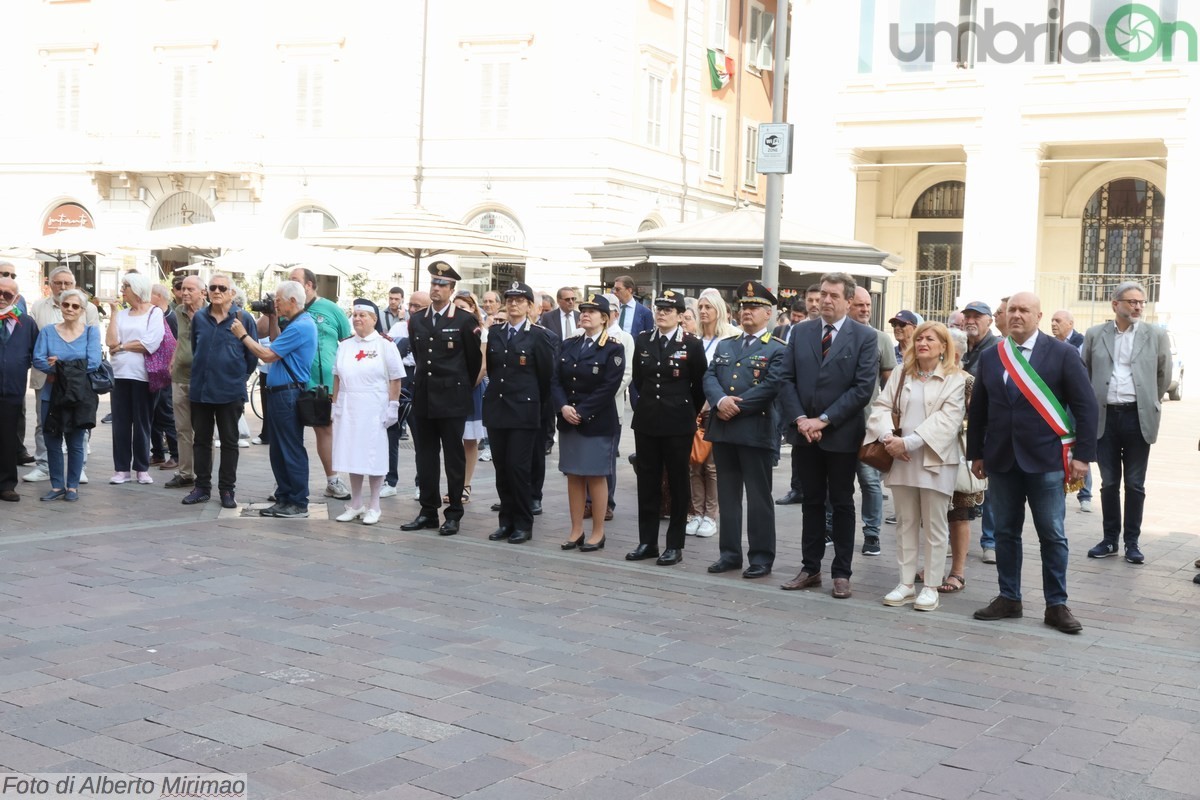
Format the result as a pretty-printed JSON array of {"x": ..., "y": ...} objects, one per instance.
[
  {"x": 265, "y": 436},
  {"x": 393, "y": 475},
  {"x": 748, "y": 468},
  {"x": 512, "y": 456},
  {"x": 131, "y": 412},
  {"x": 163, "y": 440},
  {"x": 656, "y": 453},
  {"x": 225, "y": 415},
  {"x": 825, "y": 474},
  {"x": 439, "y": 439},
  {"x": 10, "y": 443}
]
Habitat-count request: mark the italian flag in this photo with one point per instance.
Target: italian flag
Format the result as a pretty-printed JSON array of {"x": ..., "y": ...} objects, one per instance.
[{"x": 720, "y": 69}]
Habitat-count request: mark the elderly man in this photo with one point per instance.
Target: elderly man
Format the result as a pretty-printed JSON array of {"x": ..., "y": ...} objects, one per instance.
[
  {"x": 1031, "y": 400},
  {"x": 290, "y": 357},
  {"x": 18, "y": 333},
  {"x": 870, "y": 480},
  {"x": 1062, "y": 325},
  {"x": 977, "y": 322},
  {"x": 1129, "y": 361},
  {"x": 564, "y": 320},
  {"x": 490, "y": 302},
  {"x": 903, "y": 325},
  {"x": 192, "y": 299},
  {"x": 164, "y": 442},
  {"x": 217, "y": 390},
  {"x": 332, "y": 326},
  {"x": 1002, "y": 317},
  {"x": 957, "y": 321},
  {"x": 47, "y": 312}
]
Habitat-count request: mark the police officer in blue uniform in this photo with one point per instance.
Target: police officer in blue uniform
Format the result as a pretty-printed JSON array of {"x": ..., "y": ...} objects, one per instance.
[
  {"x": 449, "y": 357},
  {"x": 519, "y": 362},
  {"x": 741, "y": 385},
  {"x": 668, "y": 371}
]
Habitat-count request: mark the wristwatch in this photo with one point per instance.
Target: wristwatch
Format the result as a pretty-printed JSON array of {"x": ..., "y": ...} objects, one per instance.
[{"x": 824, "y": 418}]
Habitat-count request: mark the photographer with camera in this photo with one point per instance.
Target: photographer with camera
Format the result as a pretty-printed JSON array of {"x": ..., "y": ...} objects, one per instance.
[{"x": 290, "y": 354}]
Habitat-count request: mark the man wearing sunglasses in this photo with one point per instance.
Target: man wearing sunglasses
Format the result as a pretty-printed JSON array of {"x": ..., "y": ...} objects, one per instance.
[
  {"x": 47, "y": 312},
  {"x": 221, "y": 364},
  {"x": 18, "y": 333}
]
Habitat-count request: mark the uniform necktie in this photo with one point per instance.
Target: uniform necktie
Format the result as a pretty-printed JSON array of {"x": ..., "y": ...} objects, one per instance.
[
  {"x": 511, "y": 332},
  {"x": 662, "y": 342},
  {"x": 826, "y": 341},
  {"x": 746, "y": 340}
]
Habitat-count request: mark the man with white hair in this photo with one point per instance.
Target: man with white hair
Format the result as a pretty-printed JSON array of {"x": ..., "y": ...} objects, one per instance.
[
  {"x": 192, "y": 299},
  {"x": 164, "y": 444},
  {"x": 47, "y": 312}
]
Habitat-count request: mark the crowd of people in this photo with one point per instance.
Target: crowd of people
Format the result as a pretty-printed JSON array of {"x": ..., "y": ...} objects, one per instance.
[{"x": 958, "y": 423}]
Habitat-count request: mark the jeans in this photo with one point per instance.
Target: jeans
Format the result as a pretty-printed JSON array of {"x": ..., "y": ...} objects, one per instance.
[
  {"x": 54, "y": 454},
  {"x": 1122, "y": 449},
  {"x": 289, "y": 459},
  {"x": 987, "y": 524},
  {"x": 1046, "y": 495},
  {"x": 1086, "y": 492},
  {"x": 870, "y": 483},
  {"x": 131, "y": 408},
  {"x": 225, "y": 415}
]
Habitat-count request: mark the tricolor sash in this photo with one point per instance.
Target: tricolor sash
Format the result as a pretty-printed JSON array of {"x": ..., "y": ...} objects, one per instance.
[{"x": 1035, "y": 390}]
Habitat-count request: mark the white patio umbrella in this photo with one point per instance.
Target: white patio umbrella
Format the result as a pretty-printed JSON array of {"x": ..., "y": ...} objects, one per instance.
[
  {"x": 201, "y": 236},
  {"x": 65, "y": 244},
  {"x": 286, "y": 254}
]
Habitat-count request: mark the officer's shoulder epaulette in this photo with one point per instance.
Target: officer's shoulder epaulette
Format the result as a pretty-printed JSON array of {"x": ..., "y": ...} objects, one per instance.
[
  {"x": 777, "y": 339},
  {"x": 732, "y": 336}
]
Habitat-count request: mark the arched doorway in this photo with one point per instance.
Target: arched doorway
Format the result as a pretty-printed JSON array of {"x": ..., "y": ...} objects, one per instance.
[
  {"x": 1122, "y": 238},
  {"x": 63, "y": 217},
  {"x": 176, "y": 210},
  {"x": 306, "y": 221},
  {"x": 480, "y": 274},
  {"x": 939, "y": 253}
]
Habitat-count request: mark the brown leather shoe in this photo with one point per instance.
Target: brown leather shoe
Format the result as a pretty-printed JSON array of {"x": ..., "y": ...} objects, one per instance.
[
  {"x": 805, "y": 580},
  {"x": 608, "y": 515},
  {"x": 1000, "y": 608},
  {"x": 841, "y": 588},
  {"x": 1060, "y": 617},
  {"x": 587, "y": 511},
  {"x": 170, "y": 463}
]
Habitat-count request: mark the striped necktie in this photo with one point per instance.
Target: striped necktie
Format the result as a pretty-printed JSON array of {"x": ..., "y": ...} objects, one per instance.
[{"x": 826, "y": 341}]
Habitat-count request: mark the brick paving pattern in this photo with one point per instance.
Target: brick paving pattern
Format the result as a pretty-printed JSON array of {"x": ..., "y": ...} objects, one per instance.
[{"x": 337, "y": 661}]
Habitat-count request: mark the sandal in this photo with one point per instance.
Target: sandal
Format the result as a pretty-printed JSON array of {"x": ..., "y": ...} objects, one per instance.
[
  {"x": 950, "y": 588},
  {"x": 466, "y": 498}
]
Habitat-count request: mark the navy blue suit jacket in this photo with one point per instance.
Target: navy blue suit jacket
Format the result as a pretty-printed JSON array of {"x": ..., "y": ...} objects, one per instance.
[
  {"x": 643, "y": 319},
  {"x": 1007, "y": 432}
]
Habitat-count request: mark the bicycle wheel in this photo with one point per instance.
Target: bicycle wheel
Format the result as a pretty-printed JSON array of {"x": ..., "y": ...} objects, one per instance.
[{"x": 255, "y": 397}]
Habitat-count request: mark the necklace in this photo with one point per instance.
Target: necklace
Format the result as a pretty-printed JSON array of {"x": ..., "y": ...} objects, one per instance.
[{"x": 923, "y": 375}]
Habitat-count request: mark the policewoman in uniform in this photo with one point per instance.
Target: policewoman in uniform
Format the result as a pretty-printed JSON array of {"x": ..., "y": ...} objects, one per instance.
[
  {"x": 741, "y": 385},
  {"x": 584, "y": 391},
  {"x": 448, "y": 359},
  {"x": 519, "y": 362},
  {"x": 668, "y": 371}
]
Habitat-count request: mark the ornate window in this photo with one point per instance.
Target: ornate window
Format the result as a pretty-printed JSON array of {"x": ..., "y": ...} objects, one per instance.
[
  {"x": 1122, "y": 238},
  {"x": 307, "y": 221},
  {"x": 944, "y": 200}
]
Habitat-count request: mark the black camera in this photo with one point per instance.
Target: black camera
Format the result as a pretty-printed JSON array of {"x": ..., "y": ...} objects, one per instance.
[{"x": 264, "y": 306}]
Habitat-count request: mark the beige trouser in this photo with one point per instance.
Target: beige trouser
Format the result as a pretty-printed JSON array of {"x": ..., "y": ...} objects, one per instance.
[
  {"x": 183, "y": 428},
  {"x": 921, "y": 519},
  {"x": 704, "y": 489}
]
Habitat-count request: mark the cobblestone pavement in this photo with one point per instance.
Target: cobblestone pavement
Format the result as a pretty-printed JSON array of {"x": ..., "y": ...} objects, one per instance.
[{"x": 336, "y": 660}]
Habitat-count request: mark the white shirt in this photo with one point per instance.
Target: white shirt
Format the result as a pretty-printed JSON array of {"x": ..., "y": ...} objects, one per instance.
[
  {"x": 837, "y": 328},
  {"x": 629, "y": 315},
  {"x": 1026, "y": 349},
  {"x": 566, "y": 321},
  {"x": 1121, "y": 388}
]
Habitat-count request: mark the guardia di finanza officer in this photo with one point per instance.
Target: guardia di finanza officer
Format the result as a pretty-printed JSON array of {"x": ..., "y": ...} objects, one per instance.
[
  {"x": 668, "y": 371},
  {"x": 520, "y": 359},
  {"x": 741, "y": 385},
  {"x": 448, "y": 357}
]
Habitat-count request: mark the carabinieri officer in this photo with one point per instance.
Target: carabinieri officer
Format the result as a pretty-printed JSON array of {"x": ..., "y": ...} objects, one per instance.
[
  {"x": 741, "y": 385},
  {"x": 668, "y": 371},
  {"x": 520, "y": 359}
]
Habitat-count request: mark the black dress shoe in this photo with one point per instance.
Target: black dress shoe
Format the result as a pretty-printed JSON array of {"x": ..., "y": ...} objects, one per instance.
[
  {"x": 449, "y": 528},
  {"x": 495, "y": 506},
  {"x": 9, "y": 496},
  {"x": 591, "y": 548},
  {"x": 669, "y": 556},
  {"x": 25, "y": 458},
  {"x": 571, "y": 544},
  {"x": 757, "y": 571},
  {"x": 790, "y": 499},
  {"x": 642, "y": 552},
  {"x": 520, "y": 536},
  {"x": 423, "y": 521},
  {"x": 724, "y": 565},
  {"x": 503, "y": 532},
  {"x": 536, "y": 508},
  {"x": 178, "y": 482}
]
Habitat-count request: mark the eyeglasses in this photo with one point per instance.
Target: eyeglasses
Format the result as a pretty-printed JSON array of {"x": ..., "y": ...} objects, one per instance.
[
  {"x": 1134, "y": 302},
  {"x": 7, "y": 295},
  {"x": 213, "y": 287},
  {"x": 570, "y": 299},
  {"x": 75, "y": 306},
  {"x": 8, "y": 275}
]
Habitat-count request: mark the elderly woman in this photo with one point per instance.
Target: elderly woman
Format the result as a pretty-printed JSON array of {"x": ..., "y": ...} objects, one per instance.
[
  {"x": 133, "y": 333},
  {"x": 67, "y": 352},
  {"x": 928, "y": 393},
  {"x": 583, "y": 388},
  {"x": 366, "y": 401},
  {"x": 713, "y": 326}
]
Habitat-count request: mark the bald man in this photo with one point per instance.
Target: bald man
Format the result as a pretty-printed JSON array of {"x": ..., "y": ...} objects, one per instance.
[{"x": 1062, "y": 325}]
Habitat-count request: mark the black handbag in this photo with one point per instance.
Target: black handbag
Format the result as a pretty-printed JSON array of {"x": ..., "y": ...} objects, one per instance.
[
  {"x": 101, "y": 377},
  {"x": 314, "y": 407}
]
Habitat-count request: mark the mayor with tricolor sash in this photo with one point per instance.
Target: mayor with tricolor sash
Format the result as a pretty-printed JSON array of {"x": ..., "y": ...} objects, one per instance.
[{"x": 1031, "y": 432}]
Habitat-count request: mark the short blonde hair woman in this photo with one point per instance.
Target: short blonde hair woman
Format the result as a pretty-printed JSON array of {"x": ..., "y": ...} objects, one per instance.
[{"x": 713, "y": 325}]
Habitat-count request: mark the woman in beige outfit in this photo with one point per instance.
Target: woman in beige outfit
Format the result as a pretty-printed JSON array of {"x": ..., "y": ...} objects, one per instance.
[{"x": 931, "y": 403}]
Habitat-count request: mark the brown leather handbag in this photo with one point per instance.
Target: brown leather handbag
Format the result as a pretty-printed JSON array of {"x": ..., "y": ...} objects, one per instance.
[{"x": 874, "y": 454}]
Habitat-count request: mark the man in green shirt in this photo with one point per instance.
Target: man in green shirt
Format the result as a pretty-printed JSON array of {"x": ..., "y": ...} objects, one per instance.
[{"x": 332, "y": 326}]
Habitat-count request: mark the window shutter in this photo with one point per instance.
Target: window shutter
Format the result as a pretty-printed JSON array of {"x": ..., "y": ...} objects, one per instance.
[
  {"x": 301, "y": 96},
  {"x": 486, "y": 96},
  {"x": 503, "y": 86},
  {"x": 316, "y": 90},
  {"x": 766, "y": 48}
]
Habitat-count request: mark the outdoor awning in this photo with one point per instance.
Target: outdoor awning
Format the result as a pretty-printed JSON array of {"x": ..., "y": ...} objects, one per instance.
[{"x": 744, "y": 262}]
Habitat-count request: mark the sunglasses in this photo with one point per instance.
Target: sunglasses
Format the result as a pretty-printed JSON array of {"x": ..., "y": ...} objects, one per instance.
[
  {"x": 8, "y": 275},
  {"x": 212, "y": 287},
  {"x": 440, "y": 282},
  {"x": 70, "y": 305},
  {"x": 7, "y": 295}
]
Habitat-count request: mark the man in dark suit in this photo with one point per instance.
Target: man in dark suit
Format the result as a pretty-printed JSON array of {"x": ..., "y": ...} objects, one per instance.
[
  {"x": 564, "y": 320},
  {"x": 1010, "y": 442},
  {"x": 632, "y": 316},
  {"x": 830, "y": 371},
  {"x": 519, "y": 362},
  {"x": 448, "y": 358},
  {"x": 797, "y": 314},
  {"x": 668, "y": 369},
  {"x": 18, "y": 333},
  {"x": 741, "y": 385}
]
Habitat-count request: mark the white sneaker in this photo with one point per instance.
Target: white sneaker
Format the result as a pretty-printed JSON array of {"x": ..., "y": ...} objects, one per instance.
[
  {"x": 416, "y": 493},
  {"x": 119, "y": 477},
  {"x": 485, "y": 454},
  {"x": 387, "y": 491},
  {"x": 336, "y": 489},
  {"x": 256, "y": 440},
  {"x": 989, "y": 556},
  {"x": 216, "y": 444},
  {"x": 1085, "y": 506},
  {"x": 89, "y": 447},
  {"x": 371, "y": 516},
  {"x": 708, "y": 526},
  {"x": 144, "y": 477},
  {"x": 927, "y": 600},
  {"x": 349, "y": 515},
  {"x": 900, "y": 595},
  {"x": 36, "y": 474},
  {"x": 243, "y": 442},
  {"x": 692, "y": 526},
  {"x": 82, "y": 476}
]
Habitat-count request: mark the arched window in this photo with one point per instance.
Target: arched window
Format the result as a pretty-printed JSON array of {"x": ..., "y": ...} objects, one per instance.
[
  {"x": 307, "y": 221},
  {"x": 943, "y": 200},
  {"x": 1122, "y": 238},
  {"x": 182, "y": 208}
]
